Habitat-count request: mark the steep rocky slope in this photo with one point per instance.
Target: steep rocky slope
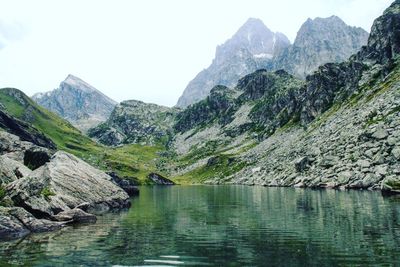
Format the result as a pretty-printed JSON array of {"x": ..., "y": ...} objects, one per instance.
[
  {"x": 24, "y": 130},
  {"x": 78, "y": 102},
  {"x": 339, "y": 128},
  {"x": 320, "y": 41},
  {"x": 248, "y": 50},
  {"x": 135, "y": 122}
]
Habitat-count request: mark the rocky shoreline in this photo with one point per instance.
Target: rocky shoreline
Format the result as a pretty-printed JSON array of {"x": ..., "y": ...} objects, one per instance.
[{"x": 55, "y": 190}]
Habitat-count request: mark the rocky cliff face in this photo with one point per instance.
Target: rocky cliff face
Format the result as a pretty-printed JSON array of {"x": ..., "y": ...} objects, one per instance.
[
  {"x": 23, "y": 130},
  {"x": 254, "y": 46},
  {"x": 78, "y": 102},
  {"x": 271, "y": 98},
  {"x": 248, "y": 50},
  {"x": 320, "y": 41},
  {"x": 340, "y": 128},
  {"x": 135, "y": 122}
]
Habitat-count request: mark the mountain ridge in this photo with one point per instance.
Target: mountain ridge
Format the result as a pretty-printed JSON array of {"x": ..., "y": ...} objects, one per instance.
[
  {"x": 241, "y": 54},
  {"x": 77, "y": 101},
  {"x": 247, "y": 50}
]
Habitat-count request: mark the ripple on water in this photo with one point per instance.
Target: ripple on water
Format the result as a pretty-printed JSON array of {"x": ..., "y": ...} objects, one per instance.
[{"x": 236, "y": 225}]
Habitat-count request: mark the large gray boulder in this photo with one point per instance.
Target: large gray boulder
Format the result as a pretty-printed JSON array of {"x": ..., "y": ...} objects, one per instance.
[{"x": 64, "y": 183}]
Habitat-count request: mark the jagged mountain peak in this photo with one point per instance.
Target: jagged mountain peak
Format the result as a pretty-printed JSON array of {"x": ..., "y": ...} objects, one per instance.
[
  {"x": 323, "y": 28},
  {"x": 77, "y": 101},
  {"x": 252, "y": 25},
  {"x": 319, "y": 41},
  {"x": 253, "y": 36},
  {"x": 78, "y": 83},
  {"x": 249, "y": 49},
  {"x": 255, "y": 46},
  {"x": 331, "y": 19}
]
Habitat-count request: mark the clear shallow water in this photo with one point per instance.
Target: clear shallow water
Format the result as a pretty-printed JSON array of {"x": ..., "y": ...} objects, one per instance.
[{"x": 226, "y": 225}]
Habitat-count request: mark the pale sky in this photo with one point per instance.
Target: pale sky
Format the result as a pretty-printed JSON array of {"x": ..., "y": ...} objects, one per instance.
[{"x": 141, "y": 49}]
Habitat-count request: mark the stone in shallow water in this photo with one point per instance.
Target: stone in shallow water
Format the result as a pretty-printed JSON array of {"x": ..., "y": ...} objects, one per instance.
[
  {"x": 159, "y": 179},
  {"x": 16, "y": 222},
  {"x": 75, "y": 215},
  {"x": 128, "y": 186}
]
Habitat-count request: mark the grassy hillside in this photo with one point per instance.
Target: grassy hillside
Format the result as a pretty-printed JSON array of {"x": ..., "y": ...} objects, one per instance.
[{"x": 130, "y": 161}]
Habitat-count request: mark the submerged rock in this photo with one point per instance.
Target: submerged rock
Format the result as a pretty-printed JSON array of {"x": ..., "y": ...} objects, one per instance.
[
  {"x": 16, "y": 222},
  {"x": 75, "y": 215},
  {"x": 391, "y": 186}
]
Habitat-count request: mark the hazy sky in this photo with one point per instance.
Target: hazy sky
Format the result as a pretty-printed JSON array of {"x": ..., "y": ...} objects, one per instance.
[{"x": 141, "y": 49}]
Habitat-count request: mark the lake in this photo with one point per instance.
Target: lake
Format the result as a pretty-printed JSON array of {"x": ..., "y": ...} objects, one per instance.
[{"x": 226, "y": 226}]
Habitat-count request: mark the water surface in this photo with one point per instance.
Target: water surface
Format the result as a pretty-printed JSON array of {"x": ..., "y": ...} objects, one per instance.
[{"x": 226, "y": 226}]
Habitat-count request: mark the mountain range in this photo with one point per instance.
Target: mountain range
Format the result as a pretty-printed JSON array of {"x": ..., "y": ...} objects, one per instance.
[
  {"x": 254, "y": 46},
  {"x": 338, "y": 127}
]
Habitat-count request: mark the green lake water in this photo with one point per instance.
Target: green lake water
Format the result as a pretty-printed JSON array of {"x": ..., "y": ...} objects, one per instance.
[{"x": 226, "y": 226}]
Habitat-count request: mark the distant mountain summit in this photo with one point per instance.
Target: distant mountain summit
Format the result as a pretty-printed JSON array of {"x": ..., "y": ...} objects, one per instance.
[
  {"x": 320, "y": 41},
  {"x": 252, "y": 46},
  {"x": 78, "y": 102}
]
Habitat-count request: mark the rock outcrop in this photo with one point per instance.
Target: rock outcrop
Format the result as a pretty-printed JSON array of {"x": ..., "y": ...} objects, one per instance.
[
  {"x": 24, "y": 131},
  {"x": 135, "y": 122},
  {"x": 128, "y": 186},
  {"x": 64, "y": 183},
  {"x": 78, "y": 102},
  {"x": 42, "y": 191},
  {"x": 159, "y": 179},
  {"x": 11, "y": 170},
  {"x": 214, "y": 107},
  {"x": 26, "y": 153}
]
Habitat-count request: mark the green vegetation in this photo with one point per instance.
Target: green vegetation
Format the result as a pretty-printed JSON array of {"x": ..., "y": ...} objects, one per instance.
[
  {"x": 10, "y": 103},
  {"x": 132, "y": 161},
  {"x": 220, "y": 166},
  {"x": 47, "y": 193},
  {"x": 197, "y": 153}
]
